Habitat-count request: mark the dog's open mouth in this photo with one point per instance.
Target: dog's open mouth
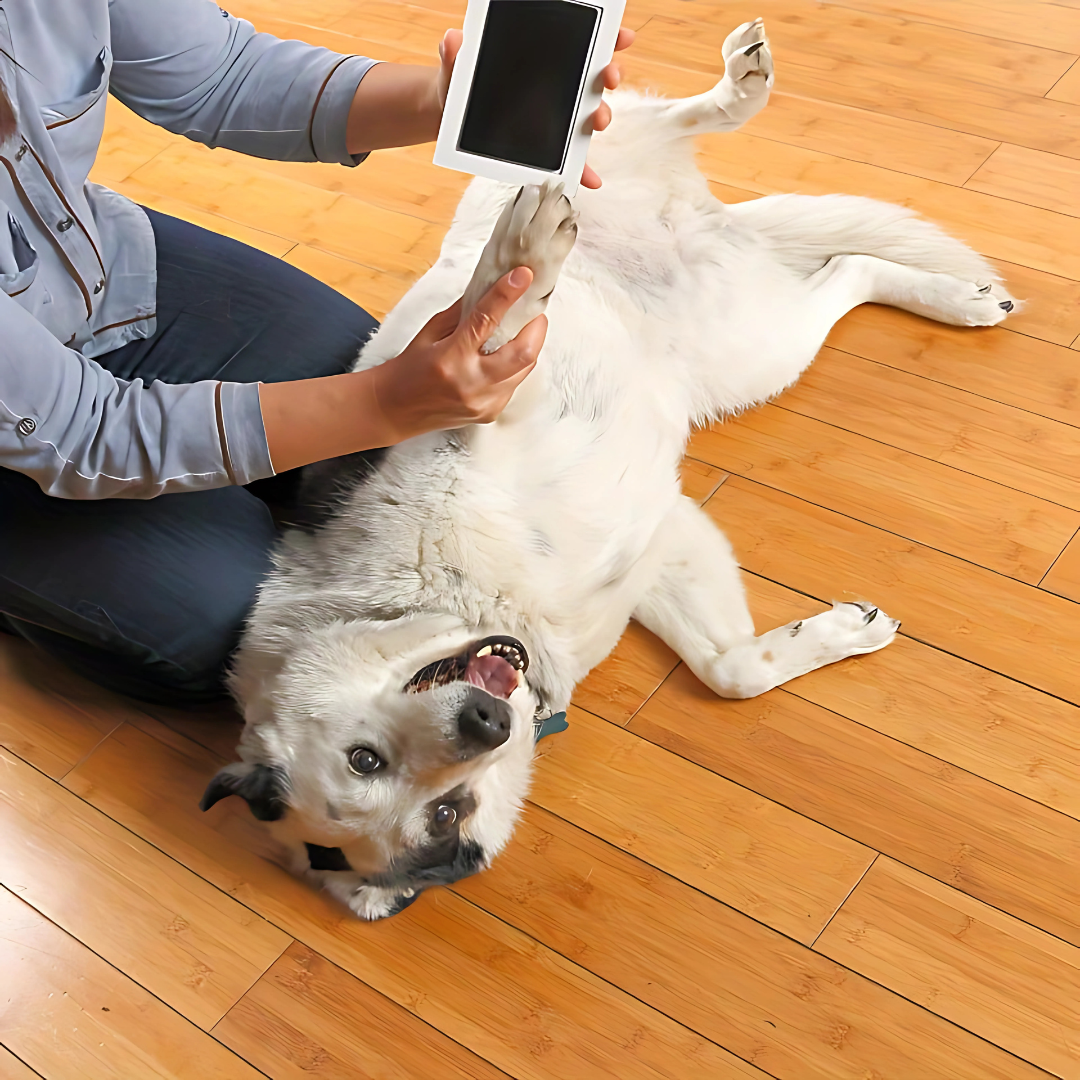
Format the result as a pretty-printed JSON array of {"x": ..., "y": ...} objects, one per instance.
[{"x": 495, "y": 664}]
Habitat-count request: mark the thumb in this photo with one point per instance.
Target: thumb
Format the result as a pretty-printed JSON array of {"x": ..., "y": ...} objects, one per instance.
[
  {"x": 481, "y": 322},
  {"x": 510, "y": 364}
]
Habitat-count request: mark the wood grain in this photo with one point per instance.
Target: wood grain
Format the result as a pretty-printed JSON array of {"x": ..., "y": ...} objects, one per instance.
[
  {"x": 11, "y": 1068},
  {"x": 724, "y": 840},
  {"x": 973, "y": 718},
  {"x": 984, "y": 970},
  {"x": 69, "y": 1014},
  {"x": 183, "y": 940},
  {"x": 1011, "y": 368},
  {"x": 1008, "y": 445},
  {"x": 1012, "y": 628},
  {"x": 956, "y": 827},
  {"x": 513, "y": 1002},
  {"x": 305, "y": 1017},
  {"x": 1031, "y": 176},
  {"x": 1063, "y": 577},
  {"x": 769, "y": 999},
  {"x": 912, "y": 495},
  {"x": 48, "y": 731},
  {"x": 1067, "y": 88}
]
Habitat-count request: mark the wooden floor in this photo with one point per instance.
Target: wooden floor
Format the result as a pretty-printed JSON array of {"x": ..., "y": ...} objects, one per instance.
[{"x": 872, "y": 873}]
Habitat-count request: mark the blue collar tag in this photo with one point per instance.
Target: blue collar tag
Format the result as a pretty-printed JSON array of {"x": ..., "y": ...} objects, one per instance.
[{"x": 551, "y": 726}]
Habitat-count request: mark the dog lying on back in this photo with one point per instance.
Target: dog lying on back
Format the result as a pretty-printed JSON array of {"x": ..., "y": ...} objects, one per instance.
[{"x": 399, "y": 655}]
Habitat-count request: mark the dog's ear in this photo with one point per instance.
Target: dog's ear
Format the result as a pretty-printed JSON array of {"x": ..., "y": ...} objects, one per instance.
[{"x": 263, "y": 787}]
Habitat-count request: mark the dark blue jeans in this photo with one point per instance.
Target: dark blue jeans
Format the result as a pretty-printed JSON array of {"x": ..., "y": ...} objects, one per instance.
[{"x": 148, "y": 597}]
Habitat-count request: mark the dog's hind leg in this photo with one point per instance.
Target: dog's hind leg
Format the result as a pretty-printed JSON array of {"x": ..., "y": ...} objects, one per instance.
[{"x": 697, "y": 605}]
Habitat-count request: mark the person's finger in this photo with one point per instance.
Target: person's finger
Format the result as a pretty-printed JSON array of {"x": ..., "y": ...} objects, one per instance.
[
  {"x": 602, "y": 117},
  {"x": 511, "y": 363},
  {"x": 442, "y": 324},
  {"x": 610, "y": 77},
  {"x": 589, "y": 178},
  {"x": 624, "y": 39},
  {"x": 481, "y": 322},
  {"x": 450, "y": 46}
]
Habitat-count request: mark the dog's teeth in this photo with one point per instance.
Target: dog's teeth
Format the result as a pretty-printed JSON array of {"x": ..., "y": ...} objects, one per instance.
[
  {"x": 485, "y": 651},
  {"x": 520, "y": 678}
]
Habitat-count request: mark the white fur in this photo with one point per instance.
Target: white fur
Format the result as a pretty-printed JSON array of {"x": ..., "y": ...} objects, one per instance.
[{"x": 563, "y": 519}]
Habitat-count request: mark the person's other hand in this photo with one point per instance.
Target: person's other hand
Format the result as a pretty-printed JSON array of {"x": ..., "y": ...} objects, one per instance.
[
  {"x": 442, "y": 379},
  {"x": 609, "y": 79}
]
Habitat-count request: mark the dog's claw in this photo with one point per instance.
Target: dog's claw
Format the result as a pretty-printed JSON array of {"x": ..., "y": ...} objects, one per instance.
[
  {"x": 753, "y": 48},
  {"x": 1006, "y": 305}
]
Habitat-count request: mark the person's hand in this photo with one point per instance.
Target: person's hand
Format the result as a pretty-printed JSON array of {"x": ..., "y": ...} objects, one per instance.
[
  {"x": 442, "y": 380},
  {"x": 609, "y": 79}
]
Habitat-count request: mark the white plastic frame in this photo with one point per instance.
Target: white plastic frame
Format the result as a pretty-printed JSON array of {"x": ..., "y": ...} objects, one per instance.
[{"x": 447, "y": 153}]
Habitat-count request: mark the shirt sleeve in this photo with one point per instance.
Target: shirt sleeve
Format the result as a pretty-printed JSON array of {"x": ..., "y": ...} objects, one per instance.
[
  {"x": 81, "y": 433},
  {"x": 190, "y": 67}
]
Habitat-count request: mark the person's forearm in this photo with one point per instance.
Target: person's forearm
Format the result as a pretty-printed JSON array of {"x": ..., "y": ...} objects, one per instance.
[
  {"x": 315, "y": 419},
  {"x": 395, "y": 105}
]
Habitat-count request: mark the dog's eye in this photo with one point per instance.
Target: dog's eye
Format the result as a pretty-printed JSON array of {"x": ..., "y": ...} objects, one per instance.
[
  {"x": 445, "y": 816},
  {"x": 364, "y": 761}
]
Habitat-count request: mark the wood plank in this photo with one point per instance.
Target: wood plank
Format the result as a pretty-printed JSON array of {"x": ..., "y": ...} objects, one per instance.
[
  {"x": 187, "y": 943},
  {"x": 127, "y": 143},
  {"x": 222, "y": 182},
  {"x": 616, "y": 688},
  {"x": 771, "y": 1000},
  {"x": 1064, "y": 576},
  {"x": 374, "y": 290},
  {"x": 730, "y": 843},
  {"x": 69, "y": 1014},
  {"x": 698, "y": 479},
  {"x": 1000, "y": 528},
  {"x": 11, "y": 1068},
  {"x": 999, "y": 442},
  {"x": 513, "y": 1002},
  {"x": 975, "y": 719},
  {"x": 1051, "y": 308},
  {"x": 984, "y": 970},
  {"x": 1012, "y": 628},
  {"x": 856, "y": 134},
  {"x": 987, "y": 841},
  {"x": 1030, "y": 21},
  {"x": 1010, "y": 368},
  {"x": 306, "y": 1017},
  {"x": 1067, "y": 88},
  {"x": 987, "y": 106},
  {"x": 999, "y": 228},
  {"x": 1030, "y": 176},
  {"x": 828, "y": 38},
  {"x": 38, "y": 726}
]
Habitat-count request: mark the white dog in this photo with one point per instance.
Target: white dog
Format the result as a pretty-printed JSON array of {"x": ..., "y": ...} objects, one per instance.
[{"x": 397, "y": 657}]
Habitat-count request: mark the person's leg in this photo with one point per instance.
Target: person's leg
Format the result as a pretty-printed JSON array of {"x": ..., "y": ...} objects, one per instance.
[{"x": 149, "y": 597}]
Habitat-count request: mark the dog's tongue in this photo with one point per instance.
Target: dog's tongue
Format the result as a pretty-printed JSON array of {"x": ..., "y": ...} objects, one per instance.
[{"x": 493, "y": 674}]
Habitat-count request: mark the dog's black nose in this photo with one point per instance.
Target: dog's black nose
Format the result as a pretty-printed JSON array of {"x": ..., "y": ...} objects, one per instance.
[{"x": 484, "y": 722}]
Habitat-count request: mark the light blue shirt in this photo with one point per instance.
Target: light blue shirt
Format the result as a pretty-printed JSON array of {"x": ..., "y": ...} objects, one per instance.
[{"x": 77, "y": 262}]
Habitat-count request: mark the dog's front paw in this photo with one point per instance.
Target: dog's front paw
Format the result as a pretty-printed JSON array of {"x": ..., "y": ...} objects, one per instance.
[
  {"x": 537, "y": 230},
  {"x": 748, "y": 63}
]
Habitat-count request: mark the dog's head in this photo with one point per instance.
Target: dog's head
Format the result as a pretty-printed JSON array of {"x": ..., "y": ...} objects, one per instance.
[{"x": 386, "y": 766}]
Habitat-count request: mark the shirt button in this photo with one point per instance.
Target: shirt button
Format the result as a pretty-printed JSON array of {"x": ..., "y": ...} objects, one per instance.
[
  {"x": 26, "y": 426},
  {"x": 21, "y": 152},
  {"x": 65, "y": 224},
  {"x": 99, "y": 286}
]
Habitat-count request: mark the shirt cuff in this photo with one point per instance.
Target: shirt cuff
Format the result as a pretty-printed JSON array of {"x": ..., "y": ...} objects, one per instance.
[
  {"x": 330, "y": 121},
  {"x": 247, "y": 455}
]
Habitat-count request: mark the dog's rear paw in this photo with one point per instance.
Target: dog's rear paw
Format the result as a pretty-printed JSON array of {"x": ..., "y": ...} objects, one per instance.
[
  {"x": 748, "y": 62},
  {"x": 537, "y": 229},
  {"x": 965, "y": 303}
]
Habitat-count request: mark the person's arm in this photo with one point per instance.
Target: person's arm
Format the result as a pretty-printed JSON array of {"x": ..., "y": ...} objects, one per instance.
[
  {"x": 81, "y": 433},
  {"x": 442, "y": 380},
  {"x": 192, "y": 68}
]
